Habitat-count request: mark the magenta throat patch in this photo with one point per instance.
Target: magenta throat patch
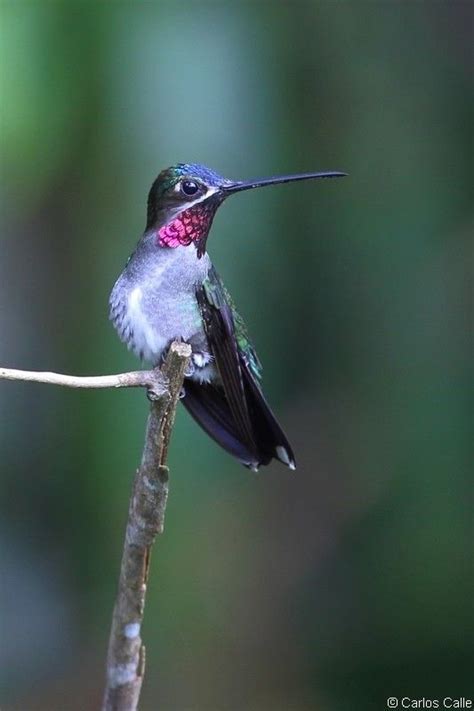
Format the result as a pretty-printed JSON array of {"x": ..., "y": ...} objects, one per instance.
[{"x": 191, "y": 225}]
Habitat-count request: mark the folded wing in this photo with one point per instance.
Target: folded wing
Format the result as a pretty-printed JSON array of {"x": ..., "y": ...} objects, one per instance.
[{"x": 233, "y": 410}]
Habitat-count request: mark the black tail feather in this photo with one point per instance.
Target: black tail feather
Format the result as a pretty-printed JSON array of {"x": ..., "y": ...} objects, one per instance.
[
  {"x": 270, "y": 437},
  {"x": 208, "y": 405}
]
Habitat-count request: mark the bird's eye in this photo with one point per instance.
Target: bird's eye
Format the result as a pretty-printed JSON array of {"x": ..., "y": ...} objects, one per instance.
[{"x": 189, "y": 187}]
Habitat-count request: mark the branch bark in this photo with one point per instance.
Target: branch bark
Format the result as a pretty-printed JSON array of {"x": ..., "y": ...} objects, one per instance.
[
  {"x": 126, "y": 656},
  {"x": 126, "y": 652}
]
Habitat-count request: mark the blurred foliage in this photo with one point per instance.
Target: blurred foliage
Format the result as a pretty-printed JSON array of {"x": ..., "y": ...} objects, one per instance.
[{"x": 352, "y": 580}]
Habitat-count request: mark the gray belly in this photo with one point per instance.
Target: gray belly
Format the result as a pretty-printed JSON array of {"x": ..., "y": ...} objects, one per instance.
[{"x": 154, "y": 302}]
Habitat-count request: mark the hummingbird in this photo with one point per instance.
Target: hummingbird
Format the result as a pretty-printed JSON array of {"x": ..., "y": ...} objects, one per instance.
[{"x": 170, "y": 290}]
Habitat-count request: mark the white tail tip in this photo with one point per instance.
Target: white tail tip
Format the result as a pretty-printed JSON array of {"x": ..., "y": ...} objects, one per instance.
[{"x": 284, "y": 457}]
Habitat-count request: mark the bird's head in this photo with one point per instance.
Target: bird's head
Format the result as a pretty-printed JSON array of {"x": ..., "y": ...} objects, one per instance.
[{"x": 183, "y": 200}]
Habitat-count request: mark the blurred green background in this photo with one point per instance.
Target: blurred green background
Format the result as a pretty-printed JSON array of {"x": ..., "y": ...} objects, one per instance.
[{"x": 350, "y": 580}]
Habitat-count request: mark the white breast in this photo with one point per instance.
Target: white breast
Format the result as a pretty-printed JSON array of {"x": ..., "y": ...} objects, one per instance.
[{"x": 146, "y": 341}]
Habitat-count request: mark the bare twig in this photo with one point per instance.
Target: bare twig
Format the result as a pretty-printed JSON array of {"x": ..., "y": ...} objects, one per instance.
[
  {"x": 134, "y": 379},
  {"x": 126, "y": 654}
]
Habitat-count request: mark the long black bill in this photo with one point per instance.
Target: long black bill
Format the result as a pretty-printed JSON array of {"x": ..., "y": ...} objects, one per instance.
[{"x": 249, "y": 184}]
